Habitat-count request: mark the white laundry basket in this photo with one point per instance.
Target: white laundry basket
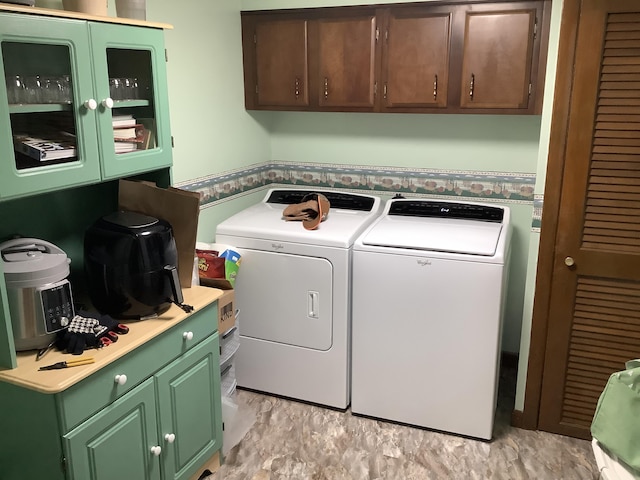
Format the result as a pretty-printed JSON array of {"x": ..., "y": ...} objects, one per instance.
[{"x": 610, "y": 468}]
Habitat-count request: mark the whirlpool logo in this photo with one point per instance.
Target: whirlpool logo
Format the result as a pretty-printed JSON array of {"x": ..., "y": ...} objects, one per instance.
[
  {"x": 277, "y": 246},
  {"x": 423, "y": 262}
]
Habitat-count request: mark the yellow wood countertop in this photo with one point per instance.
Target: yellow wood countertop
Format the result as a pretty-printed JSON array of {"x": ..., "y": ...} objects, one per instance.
[
  {"x": 53, "y": 381},
  {"x": 52, "y": 12}
]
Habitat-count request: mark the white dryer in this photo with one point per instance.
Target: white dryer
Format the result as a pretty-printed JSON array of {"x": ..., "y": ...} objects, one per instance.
[
  {"x": 429, "y": 282},
  {"x": 293, "y": 293}
]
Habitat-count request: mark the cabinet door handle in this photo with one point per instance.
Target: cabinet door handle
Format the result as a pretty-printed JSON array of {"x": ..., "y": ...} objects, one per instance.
[
  {"x": 384, "y": 91},
  {"x": 107, "y": 103},
  {"x": 121, "y": 379},
  {"x": 187, "y": 335},
  {"x": 326, "y": 87},
  {"x": 170, "y": 437},
  {"x": 91, "y": 104},
  {"x": 156, "y": 450},
  {"x": 435, "y": 87},
  {"x": 471, "y": 85},
  {"x": 296, "y": 87}
]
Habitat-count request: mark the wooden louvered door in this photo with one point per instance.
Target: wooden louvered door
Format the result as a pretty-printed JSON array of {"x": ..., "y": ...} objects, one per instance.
[{"x": 594, "y": 306}]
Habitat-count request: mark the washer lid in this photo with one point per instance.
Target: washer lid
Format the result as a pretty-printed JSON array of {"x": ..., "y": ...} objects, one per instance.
[{"x": 435, "y": 234}]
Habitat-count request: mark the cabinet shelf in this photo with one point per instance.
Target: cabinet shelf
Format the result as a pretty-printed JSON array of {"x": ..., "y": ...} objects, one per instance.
[
  {"x": 66, "y": 107},
  {"x": 40, "y": 108},
  {"x": 130, "y": 103}
]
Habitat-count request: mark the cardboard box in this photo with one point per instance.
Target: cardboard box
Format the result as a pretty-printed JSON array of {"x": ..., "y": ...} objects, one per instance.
[
  {"x": 226, "y": 311},
  {"x": 218, "y": 265},
  {"x": 178, "y": 207}
]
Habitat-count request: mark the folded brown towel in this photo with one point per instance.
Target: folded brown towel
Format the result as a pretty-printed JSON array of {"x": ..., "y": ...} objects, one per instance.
[{"x": 313, "y": 209}]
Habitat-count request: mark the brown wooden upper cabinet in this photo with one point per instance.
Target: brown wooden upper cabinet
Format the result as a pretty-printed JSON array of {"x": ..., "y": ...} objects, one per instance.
[
  {"x": 499, "y": 44},
  {"x": 282, "y": 70},
  {"x": 415, "y": 58},
  {"x": 297, "y": 61},
  {"x": 434, "y": 57},
  {"x": 346, "y": 49}
]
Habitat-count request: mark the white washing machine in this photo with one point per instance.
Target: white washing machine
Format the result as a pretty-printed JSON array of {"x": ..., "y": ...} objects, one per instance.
[
  {"x": 293, "y": 293},
  {"x": 429, "y": 282}
]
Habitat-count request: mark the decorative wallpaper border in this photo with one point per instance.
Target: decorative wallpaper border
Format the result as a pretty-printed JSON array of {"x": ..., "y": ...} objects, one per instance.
[
  {"x": 492, "y": 186},
  {"x": 536, "y": 221}
]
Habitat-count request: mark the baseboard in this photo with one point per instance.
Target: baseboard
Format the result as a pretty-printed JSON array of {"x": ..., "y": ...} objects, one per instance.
[
  {"x": 516, "y": 419},
  {"x": 509, "y": 360}
]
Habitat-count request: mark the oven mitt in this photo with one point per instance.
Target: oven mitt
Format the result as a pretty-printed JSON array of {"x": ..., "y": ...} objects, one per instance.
[
  {"x": 81, "y": 334},
  {"x": 107, "y": 330},
  {"x": 85, "y": 331},
  {"x": 313, "y": 209}
]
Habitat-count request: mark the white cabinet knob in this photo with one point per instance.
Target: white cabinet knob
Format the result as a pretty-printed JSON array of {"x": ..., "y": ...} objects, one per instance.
[
  {"x": 121, "y": 379},
  {"x": 569, "y": 262},
  {"x": 170, "y": 437},
  {"x": 107, "y": 102},
  {"x": 187, "y": 335},
  {"x": 156, "y": 450},
  {"x": 91, "y": 104}
]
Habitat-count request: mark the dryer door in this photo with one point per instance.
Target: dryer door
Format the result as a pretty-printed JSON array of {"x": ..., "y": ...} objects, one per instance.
[{"x": 285, "y": 298}]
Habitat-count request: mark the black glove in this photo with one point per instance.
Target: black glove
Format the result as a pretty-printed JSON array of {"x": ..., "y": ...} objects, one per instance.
[
  {"x": 108, "y": 329},
  {"x": 81, "y": 333},
  {"x": 85, "y": 331}
]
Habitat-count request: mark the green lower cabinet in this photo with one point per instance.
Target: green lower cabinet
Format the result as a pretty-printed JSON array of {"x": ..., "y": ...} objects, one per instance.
[
  {"x": 190, "y": 427},
  {"x": 165, "y": 428},
  {"x": 117, "y": 442}
]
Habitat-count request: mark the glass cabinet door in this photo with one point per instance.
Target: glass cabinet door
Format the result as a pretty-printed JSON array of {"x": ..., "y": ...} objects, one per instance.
[
  {"x": 47, "y": 132},
  {"x": 130, "y": 70}
]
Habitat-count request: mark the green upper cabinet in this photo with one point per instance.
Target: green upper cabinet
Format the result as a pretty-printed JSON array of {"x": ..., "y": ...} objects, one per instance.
[
  {"x": 33, "y": 49},
  {"x": 65, "y": 82},
  {"x": 130, "y": 69}
]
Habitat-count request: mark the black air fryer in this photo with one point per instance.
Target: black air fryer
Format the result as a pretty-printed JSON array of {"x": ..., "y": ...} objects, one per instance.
[{"x": 130, "y": 262}]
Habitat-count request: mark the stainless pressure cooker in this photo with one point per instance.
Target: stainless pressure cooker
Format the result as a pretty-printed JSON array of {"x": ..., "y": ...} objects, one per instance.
[{"x": 39, "y": 294}]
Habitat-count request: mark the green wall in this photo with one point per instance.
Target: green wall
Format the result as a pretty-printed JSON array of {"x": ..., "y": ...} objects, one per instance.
[{"x": 214, "y": 134}]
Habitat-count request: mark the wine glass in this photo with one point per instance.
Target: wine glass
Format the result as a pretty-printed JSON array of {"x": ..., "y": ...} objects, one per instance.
[
  {"x": 34, "y": 89},
  {"x": 115, "y": 88},
  {"x": 16, "y": 89}
]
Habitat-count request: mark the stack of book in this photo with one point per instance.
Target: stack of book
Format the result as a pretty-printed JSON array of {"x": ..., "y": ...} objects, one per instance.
[
  {"x": 127, "y": 133},
  {"x": 43, "y": 148},
  {"x": 130, "y": 134}
]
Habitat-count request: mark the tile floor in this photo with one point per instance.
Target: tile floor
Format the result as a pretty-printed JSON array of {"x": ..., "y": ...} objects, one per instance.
[{"x": 297, "y": 441}]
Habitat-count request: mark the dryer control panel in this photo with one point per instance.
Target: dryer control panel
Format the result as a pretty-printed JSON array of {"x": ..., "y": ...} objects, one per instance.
[{"x": 345, "y": 201}]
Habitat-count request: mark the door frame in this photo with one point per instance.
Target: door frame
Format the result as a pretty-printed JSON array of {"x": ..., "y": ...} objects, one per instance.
[{"x": 528, "y": 418}]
